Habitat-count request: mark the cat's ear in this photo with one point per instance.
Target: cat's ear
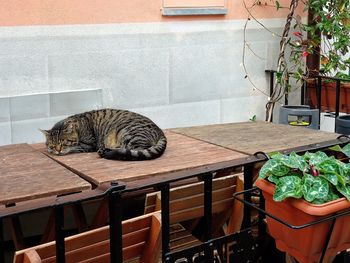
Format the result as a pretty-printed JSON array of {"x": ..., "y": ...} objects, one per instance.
[{"x": 45, "y": 132}]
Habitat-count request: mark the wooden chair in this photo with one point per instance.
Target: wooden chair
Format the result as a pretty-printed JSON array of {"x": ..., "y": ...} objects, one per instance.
[
  {"x": 141, "y": 243},
  {"x": 187, "y": 204}
]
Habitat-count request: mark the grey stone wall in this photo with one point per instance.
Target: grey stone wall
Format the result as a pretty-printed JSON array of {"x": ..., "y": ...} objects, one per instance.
[{"x": 179, "y": 74}]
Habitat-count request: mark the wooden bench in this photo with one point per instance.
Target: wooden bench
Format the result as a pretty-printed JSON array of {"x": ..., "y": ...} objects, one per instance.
[
  {"x": 141, "y": 243},
  {"x": 187, "y": 204}
]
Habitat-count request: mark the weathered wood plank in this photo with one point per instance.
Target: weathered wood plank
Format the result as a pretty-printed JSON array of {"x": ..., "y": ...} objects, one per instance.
[
  {"x": 250, "y": 137},
  {"x": 27, "y": 174},
  {"x": 182, "y": 154}
]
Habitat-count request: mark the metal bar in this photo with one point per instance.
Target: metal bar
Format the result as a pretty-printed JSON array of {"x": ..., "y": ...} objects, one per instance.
[
  {"x": 208, "y": 187},
  {"x": 165, "y": 222},
  {"x": 59, "y": 234},
  {"x": 193, "y": 173},
  {"x": 315, "y": 76},
  {"x": 208, "y": 183},
  {"x": 319, "y": 96},
  {"x": 2, "y": 241},
  {"x": 328, "y": 238},
  {"x": 272, "y": 80},
  {"x": 302, "y": 92},
  {"x": 316, "y": 146},
  {"x": 52, "y": 201},
  {"x": 248, "y": 184},
  {"x": 261, "y": 223},
  {"x": 337, "y": 98},
  {"x": 115, "y": 223},
  {"x": 324, "y": 219},
  {"x": 286, "y": 91}
]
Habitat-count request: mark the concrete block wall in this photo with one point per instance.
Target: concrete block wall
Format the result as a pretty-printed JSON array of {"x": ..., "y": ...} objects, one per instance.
[
  {"x": 21, "y": 117},
  {"x": 178, "y": 74}
]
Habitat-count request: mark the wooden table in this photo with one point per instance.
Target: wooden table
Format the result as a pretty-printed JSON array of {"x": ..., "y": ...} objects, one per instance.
[
  {"x": 251, "y": 137},
  {"x": 190, "y": 151},
  {"x": 27, "y": 174},
  {"x": 183, "y": 156}
]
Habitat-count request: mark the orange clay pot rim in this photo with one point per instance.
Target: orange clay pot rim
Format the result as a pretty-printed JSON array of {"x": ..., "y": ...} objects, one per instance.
[{"x": 309, "y": 208}]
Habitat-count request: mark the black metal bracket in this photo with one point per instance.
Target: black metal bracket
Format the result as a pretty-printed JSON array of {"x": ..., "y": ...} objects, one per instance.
[
  {"x": 344, "y": 136},
  {"x": 115, "y": 222}
]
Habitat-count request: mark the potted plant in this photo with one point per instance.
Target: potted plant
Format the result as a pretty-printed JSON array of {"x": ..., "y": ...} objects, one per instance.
[
  {"x": 319, "y": 46},
  {"x": 302, "y": 189}
]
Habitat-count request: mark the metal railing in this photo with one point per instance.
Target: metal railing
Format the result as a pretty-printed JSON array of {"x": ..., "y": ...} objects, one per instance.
[
  {"x": 318, "y": 81},
  {"x": 243, "y": 246}
]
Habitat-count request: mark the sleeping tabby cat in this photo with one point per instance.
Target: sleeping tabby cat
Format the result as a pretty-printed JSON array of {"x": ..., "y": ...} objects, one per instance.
[{"x": 114, "y": 134}]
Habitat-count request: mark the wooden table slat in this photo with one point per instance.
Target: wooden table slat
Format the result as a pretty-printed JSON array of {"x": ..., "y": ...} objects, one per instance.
[
  {"x": 26, "y": 174},
  {"x": 250, "y": 137},
  {"x": 182, "y": 154}
]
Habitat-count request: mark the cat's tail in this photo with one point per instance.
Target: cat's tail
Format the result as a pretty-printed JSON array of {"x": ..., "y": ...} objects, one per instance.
[{"x": 124, "y": 154}]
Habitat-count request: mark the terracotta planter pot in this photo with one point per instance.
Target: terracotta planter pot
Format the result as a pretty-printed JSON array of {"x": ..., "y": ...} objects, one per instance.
[
  {"x": 328, "y": 96},
  {"x": 306, "y": 244}
]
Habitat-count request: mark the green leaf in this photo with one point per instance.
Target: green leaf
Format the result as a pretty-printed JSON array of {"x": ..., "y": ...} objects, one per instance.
[
  {"x": 344, "y": 170},
  {"x": 272, "y": 154},
  {"x": 253, "y": 118},
  {"x": 332, "y": 178},
  {"x": 288, "y": 186},
  {"x": 346, "y": 150},
  {"x": 276, "y": 155},
  {"x": 341, "y": 180},
  {"x": 294, "y": 161},
  {"x": 332, "y": 195},
  {"x": 329, "y": 165},
  {"x": 344, "y": 190},
  {"x": 278, "y": 5},
  {"x": 273, "y": 179},
  {"x": 335, "y": 148},
  {"x": 315, "y": 158},
  {"x": 315, "y": 177},
  {"x": 265, "y": 170},
  {"x": 273, "y": 167},
  {"x": 314, "y": 188}
]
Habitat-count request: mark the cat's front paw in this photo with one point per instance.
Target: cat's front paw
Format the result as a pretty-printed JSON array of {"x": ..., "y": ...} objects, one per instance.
[{"x": 102, "y": 152}]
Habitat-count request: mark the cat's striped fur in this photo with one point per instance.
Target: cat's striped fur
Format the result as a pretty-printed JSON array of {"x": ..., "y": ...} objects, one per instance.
[{"x": 114, "y": 134}]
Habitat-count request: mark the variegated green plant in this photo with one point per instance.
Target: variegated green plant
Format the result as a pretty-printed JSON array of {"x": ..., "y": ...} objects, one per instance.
[{"x": 316, "y": 177}]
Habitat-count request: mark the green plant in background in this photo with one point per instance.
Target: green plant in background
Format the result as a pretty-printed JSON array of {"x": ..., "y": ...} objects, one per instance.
[
  {"x": 253, "y": 118},
  {"x": 315, "y": 177},
  {"x": 324, "y": 37}
]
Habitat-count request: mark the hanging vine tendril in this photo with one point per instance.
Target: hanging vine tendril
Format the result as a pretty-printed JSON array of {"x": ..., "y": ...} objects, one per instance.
[{"x": 281, "y": 84}]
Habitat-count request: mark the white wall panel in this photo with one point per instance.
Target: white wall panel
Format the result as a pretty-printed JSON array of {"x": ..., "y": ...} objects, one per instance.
[{"x": 179, "y": 74}]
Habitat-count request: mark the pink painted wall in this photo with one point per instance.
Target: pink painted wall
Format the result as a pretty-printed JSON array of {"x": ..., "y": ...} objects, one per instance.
[{"x": 60, "y": 12}]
